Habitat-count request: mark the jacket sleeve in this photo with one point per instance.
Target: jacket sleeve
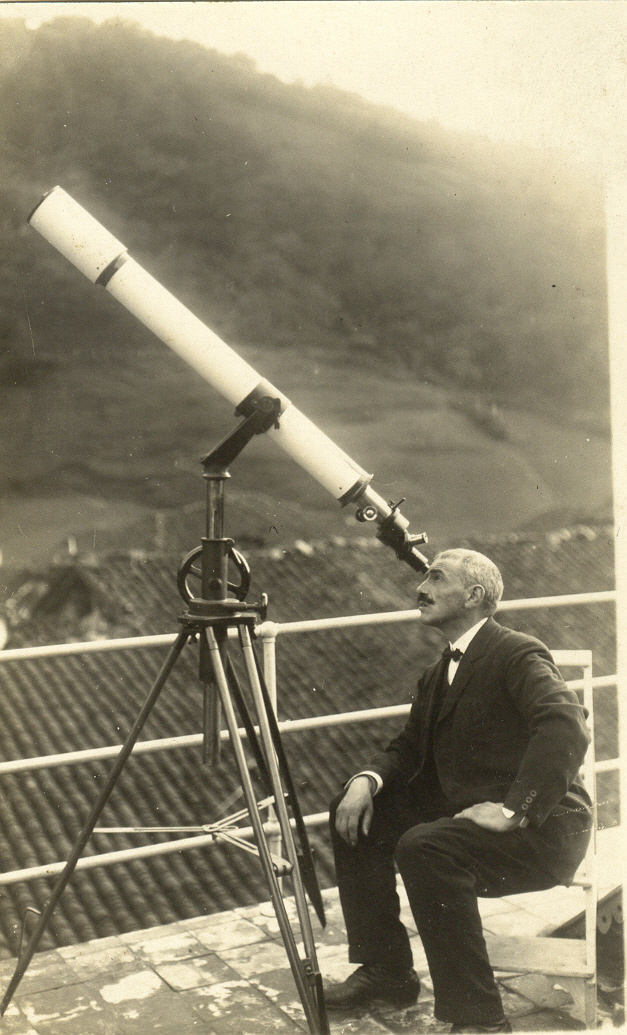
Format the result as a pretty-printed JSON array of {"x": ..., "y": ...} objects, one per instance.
[
  {"x": 558, "y": 738},
  {"x": 402, "y": 757}
]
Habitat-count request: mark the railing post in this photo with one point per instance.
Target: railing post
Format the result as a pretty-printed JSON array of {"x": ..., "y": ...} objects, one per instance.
[{"x": 267, "y": 633}]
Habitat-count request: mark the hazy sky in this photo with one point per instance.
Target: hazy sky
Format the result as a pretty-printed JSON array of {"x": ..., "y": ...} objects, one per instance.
[{"x": 550, "y": 72}]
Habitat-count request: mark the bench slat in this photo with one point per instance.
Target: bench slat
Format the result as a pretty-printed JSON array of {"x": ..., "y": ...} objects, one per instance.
[{"x": 554, "y": 956}]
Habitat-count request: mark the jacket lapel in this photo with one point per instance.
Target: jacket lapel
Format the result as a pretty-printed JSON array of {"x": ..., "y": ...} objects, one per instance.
[{"x": 476, "y": 649}]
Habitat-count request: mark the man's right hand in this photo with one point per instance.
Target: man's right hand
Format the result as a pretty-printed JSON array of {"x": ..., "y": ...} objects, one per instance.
[{"x": 354, "y": 813}]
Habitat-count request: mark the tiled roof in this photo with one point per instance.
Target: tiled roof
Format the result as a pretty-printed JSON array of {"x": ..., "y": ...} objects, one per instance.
[{"x": 70, "y": 703}]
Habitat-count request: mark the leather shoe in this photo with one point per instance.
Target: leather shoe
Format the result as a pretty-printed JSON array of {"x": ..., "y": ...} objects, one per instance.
[
  {"x": 371, "y": 982},
  {"x": 503, "y": 1025}
]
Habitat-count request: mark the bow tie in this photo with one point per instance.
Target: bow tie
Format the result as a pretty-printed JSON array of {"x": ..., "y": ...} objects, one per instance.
[{"x": 452, "y": 655}]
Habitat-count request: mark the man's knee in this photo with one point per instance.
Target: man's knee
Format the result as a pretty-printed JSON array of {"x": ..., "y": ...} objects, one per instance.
[
  {"x": 418, "y": 850},
  {"x": 409, "y": 846}
]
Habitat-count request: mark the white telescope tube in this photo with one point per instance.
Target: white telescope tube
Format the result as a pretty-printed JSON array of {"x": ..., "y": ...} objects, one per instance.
[{"x": 105, "y": 261}]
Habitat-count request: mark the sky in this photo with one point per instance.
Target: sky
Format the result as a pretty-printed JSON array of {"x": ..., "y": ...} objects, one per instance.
[{"x": 550, "y": 73}]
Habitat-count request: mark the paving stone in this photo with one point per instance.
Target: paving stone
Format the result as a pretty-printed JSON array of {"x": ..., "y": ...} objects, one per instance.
[
  {"x": 99, "y": 965},
  {"x": 176, "y": 945},
  {"x": 264, "y": 917},
  {"x": 418, "y": 1018},
  {"x": 280, "y": 989},
  {"x": 539, "y": 990},
  {"x": 15, "y": 1023},
  {"x": 420, "y": 960},
  {"x": 146, "y": 934},
  {"x": 46, "y": 970},
  {"x": 549, "y": 909},
  {"x": 205, "y": 970},
  {"x": 163, "y": 1013},
  {"x": 6, "y": 970},
  {"x": 493, "y": 906},
  {"x": 69, "y": 1012},
  {"x": 136, "y": 985},
  {"x": 209, "y": 920},
  {"x": 332, "y": 934},
  {"x": 545, "y": 1021},
  {"x": 228, "y": 936},
  {"x": 333, "y": 962},
  {"x": 236, "y": 1008},
  {"x": 250, "y": 960},
  {"x": 515, "y": 1005},
  {"x": 113, "y": 942},
  {"x": 513, "y": 922},
  {"x": 355, "y": 1024}
]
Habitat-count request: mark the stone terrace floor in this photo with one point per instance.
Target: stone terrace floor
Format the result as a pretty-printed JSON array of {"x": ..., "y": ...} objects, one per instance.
[{"x": 228, "y": 974}]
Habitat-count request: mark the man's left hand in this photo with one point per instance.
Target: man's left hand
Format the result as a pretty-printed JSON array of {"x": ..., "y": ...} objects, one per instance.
[{"x": 489, "y": 814}]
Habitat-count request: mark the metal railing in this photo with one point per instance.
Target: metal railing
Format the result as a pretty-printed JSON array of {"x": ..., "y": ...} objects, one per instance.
[{"x": 267, "y": 633}]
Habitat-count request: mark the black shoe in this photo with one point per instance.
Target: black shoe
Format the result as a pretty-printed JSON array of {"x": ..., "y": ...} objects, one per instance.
[
  {"x": 503, "y": 1025},
  {"x": 371, "y": 982}
]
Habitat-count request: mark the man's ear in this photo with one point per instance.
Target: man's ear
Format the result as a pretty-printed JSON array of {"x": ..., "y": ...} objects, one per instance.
[{"x": 476, "y": 596}]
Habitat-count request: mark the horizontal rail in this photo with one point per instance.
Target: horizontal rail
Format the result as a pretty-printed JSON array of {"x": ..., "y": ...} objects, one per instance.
[
  {"x": 270, "y": 629},
  {"x": 91, "y": 862},
  {"x": 144, "y": 747},
  {"x": 55, "y": 650},
  {"x": 267, "y": 631},
  {"x": 566, "y": 600}
]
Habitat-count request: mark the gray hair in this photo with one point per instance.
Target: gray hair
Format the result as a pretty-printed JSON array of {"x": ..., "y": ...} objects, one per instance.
[{"x": 479, "y": 570}]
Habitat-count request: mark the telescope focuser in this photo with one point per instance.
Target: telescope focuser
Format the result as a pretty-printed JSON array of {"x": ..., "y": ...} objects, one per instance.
[{"x": 392, "y": 532}]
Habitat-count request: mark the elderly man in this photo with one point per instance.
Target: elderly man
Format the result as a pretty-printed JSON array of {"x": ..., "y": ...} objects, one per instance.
[{"x": 477, "y": 796}]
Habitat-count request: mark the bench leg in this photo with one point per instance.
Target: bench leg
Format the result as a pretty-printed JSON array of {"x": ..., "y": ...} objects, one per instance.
[{"x": 584, "y": 994}]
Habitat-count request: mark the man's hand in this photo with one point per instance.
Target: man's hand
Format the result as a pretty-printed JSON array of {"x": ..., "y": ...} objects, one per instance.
[
  {"x": 354, "y": 813},
  {"x": 489, "y": 814}
]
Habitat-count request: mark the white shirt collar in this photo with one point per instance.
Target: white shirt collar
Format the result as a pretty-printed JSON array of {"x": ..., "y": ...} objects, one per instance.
[{"x": 464, "y": 640}]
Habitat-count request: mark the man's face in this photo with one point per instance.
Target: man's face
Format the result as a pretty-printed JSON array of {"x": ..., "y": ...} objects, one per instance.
[{"x": 442, "y": 596}]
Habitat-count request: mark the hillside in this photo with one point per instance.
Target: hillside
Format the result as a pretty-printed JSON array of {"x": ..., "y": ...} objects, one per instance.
[{"x": 388, "y": 276}]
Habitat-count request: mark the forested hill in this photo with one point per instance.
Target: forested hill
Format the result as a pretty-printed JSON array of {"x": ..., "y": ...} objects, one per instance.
[{"x": 291, "y": 216}]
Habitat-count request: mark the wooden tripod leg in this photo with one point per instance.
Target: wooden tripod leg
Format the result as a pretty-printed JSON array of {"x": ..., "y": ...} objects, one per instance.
[
  {"x": 310, "y": 1002},
  {"x": 26, "y": 956}
]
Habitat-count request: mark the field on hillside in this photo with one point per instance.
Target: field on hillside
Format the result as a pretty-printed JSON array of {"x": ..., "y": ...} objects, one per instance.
[{"x": 85, "y": 450}]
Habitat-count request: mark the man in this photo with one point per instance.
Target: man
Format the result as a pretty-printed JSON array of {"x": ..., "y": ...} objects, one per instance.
[{"x": 477, "y": 796}]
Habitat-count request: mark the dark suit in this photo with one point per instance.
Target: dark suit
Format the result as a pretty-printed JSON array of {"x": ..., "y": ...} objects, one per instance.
[{"x": 506, "y": 730}]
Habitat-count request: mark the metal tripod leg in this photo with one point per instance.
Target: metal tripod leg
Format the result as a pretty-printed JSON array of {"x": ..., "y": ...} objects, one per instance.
[
  {"x": 307, "y": 982},
  {"x": 275, "y": 759},
  {"x": 305, "y": 855},
  {"x": 27, "y": 954}
]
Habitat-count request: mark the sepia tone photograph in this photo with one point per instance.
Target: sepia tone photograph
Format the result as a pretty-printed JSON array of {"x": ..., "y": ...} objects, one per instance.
[{"x": 313, "y": 493}]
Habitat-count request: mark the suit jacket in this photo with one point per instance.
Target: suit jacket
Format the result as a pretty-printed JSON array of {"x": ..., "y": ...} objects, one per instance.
[{"x": 508, "y": 730}]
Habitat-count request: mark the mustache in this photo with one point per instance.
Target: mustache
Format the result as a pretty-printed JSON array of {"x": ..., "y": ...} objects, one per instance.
[{"x": 423, "y": 599}]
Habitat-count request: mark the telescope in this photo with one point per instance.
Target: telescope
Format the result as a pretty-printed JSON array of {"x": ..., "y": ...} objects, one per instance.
[
  {"x": 222, "y": 607},
  {"x": 106, "y": 262}
]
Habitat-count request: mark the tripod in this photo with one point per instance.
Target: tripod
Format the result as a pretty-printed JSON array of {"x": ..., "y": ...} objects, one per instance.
[{"x": 208, "y": 619}]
